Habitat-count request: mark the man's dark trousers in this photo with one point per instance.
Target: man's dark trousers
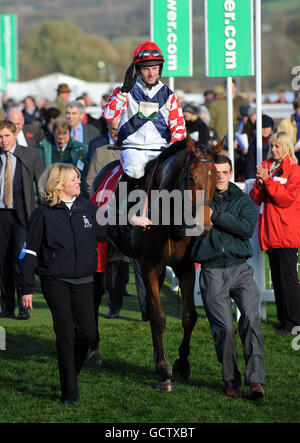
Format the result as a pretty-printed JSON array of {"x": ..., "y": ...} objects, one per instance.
[{"x": 12, "y": 238}]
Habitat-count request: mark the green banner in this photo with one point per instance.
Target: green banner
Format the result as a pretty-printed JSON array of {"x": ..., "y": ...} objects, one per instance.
[
  {"x": 9, "y": 46},
  {"x": 228, "y": 38},
  {"x": 171, "y": 30}
]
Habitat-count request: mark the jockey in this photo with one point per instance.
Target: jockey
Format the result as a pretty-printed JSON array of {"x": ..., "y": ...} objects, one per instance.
[{"x": 151, "y": 116}]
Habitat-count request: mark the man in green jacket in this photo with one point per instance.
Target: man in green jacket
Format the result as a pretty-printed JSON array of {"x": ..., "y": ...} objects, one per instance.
[
  {"x": 60, "y": 147},
  {"x": 226, "y": 275}
]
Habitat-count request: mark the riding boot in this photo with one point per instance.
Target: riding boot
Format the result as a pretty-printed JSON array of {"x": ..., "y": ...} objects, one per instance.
[{"x": 122, "y": 205}]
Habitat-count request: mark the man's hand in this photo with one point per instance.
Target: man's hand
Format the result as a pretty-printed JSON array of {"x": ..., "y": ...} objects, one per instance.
[
  {"x": 141, "y": 221},
  {"x": 27, "y": 301},
  {"x": 130, "y": 79}
]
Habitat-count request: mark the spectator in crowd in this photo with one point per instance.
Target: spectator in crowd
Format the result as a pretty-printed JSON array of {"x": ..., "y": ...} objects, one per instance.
[
  {"x": 241, "y": 145},
  {"x": 108, "y": 138},
  {"x": 218, "y": 112},
  {"x": 63, "y": 97},
  {"x": 27, "y": 135},
  {"x": 180, "y": 95},
  {"x": 103, "y": 122},
  {"x": 251, "y": 97},
  {"x": 213, "y": 138},
  {"x": 195, "y": 126},
  {"x": 282, "y": 97},
  {"x": 84, "y": 133},
  {"x": 30, "y": 111},
  {"x": 225, "y": 275},
  {"x": 100, "y": 153},
  {"x": 51, "y": 114},
  {"x": 251, "y": 159},
  {"x": 238, "y": 100},
  {"x": 60, "y": 147},
  {"x": 20, "y": 169},
  {"x": 250, "y": 126},
  {"x": 7, "y": 102},
  {"x": 277, "y": 190},
  {"x": 87, "y": 118},
  {"x": 209, "y": 96},
  {"x": 291, "y": 125},
  {"x": 242, "y": 123}
]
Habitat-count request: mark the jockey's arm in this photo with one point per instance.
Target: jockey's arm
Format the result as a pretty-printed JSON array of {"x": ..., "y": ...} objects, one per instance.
[
  {"x": 176, "y": 120},
  {"x": 116, "y": 105}
]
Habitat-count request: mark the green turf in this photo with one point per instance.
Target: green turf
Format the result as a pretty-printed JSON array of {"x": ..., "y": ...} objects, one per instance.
[{"x": 123, "y": 389}]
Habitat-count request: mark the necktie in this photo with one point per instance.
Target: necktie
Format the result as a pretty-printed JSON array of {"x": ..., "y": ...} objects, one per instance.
[
  {"x": 8, "y": 181},
  {"x": 76, "y": 134}
]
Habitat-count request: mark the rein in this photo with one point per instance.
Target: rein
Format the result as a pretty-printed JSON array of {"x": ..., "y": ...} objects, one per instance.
[{"x": 189, "y": 162}]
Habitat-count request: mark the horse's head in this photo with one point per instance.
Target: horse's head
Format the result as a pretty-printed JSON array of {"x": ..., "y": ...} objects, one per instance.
[{"x": 201, "y": 176}]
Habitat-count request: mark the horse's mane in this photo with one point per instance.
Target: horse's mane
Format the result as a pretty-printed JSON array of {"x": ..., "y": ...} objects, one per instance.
[
  {"x": 167, "y": 153},
  {"x": 174, "y": 149}
]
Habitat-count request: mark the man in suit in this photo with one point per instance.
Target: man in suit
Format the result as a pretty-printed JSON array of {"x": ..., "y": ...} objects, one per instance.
[
  {"x": 20, "y": 168},
  {"x": 96, "y": 158},
  {"x": 27, "y": 135},
  {"x": 80, "y": 131}
]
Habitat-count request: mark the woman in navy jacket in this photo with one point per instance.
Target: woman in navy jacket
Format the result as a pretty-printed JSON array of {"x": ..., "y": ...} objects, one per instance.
[{"x": 61, "y": 247}]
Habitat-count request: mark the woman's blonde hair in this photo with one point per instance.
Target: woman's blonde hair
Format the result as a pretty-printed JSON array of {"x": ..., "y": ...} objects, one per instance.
[
  {"x": 52, "y": 179},
  {"x": 283, "y": 139}
]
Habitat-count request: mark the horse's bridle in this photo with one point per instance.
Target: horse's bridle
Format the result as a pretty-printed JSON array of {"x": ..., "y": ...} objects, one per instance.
[{"x": 187, "y": 174}]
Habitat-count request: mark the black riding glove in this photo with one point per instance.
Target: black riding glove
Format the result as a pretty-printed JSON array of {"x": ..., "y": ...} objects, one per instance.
[{"x": 130, "y": 78}]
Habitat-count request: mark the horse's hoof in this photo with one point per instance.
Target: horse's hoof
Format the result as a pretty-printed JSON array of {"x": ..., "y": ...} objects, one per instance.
[
  {"x": 165, "y": 385},
  {"x": 181, "y": 371}
]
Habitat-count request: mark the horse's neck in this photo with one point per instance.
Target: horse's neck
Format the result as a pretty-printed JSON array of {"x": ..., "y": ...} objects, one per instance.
[{"x": 171, "y": 171}]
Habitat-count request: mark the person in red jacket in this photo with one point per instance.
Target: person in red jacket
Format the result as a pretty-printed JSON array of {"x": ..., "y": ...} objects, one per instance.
[{"x": 277, "y": 190}]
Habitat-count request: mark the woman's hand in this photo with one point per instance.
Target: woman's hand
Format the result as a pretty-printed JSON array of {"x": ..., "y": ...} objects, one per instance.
[
  {"x": 262, "y": 174},
  {"x": 27, "y": 301}
]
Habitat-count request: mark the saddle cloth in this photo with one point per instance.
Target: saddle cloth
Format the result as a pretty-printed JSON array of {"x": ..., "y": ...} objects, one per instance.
[{"x": 108, "y": 183}]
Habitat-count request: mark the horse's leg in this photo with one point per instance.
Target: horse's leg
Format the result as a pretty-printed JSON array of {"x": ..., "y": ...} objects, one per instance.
[
  {"x": 158, "y": 323},
  {"x": 185, "y": 272}
]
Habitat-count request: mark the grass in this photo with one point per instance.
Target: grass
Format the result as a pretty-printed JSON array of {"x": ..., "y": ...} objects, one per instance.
[{"x": 123, "y": 389}]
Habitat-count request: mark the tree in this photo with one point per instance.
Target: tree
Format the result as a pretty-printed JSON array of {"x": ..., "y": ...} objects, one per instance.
[{"x": 59, "y": 46}]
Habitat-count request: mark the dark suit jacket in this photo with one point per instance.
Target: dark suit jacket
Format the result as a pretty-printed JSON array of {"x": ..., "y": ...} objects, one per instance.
[
  {"x": 93, "y": 145},
  {"x": 32, "y": 167},
  {"x": 89, "y": 132},
  {"x": 33, "y": 134}
]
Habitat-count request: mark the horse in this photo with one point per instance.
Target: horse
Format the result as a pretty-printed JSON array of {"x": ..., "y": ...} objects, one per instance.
[{"x": 183, "y": 166}]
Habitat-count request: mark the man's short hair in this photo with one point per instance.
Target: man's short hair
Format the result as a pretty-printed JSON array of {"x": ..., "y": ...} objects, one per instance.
[
  {"x": 61, "y": 126},
  {"x": 223, "y": 159},
  {"x": 7, "y": 124},
  {"x": 75, "y": 104}
]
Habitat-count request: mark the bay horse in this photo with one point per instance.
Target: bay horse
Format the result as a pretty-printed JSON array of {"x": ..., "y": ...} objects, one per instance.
[{"x": 183, "y": 166}]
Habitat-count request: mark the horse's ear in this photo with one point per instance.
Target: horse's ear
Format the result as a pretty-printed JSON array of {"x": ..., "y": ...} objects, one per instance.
[
  {"x": 190, "y": 144},
  {"x": 219, "y": 146}
]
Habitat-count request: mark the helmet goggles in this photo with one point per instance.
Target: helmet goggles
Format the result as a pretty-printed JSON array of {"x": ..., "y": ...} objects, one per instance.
[{"x": 149, "y": 55}]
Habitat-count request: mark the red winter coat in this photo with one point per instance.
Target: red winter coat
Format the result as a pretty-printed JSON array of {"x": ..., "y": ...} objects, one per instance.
[{"x": 279, "y": 220}]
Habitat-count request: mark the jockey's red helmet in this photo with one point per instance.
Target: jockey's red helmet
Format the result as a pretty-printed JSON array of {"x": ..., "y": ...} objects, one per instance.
[{"x": 147, "y": 54}]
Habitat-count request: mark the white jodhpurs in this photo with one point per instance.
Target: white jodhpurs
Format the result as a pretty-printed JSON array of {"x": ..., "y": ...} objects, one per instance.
[{"x": 133, "y": 161}]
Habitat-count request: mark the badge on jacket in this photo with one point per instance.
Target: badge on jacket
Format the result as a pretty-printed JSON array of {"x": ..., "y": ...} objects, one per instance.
[{"x": 148, "y": 110}]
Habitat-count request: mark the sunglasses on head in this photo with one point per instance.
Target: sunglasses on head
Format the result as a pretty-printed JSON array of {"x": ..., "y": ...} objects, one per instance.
[{"x": 147, "y": 52}]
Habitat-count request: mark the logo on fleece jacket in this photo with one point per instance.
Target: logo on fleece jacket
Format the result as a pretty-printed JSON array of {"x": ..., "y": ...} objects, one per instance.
[{"x": 86, "y": 222}]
